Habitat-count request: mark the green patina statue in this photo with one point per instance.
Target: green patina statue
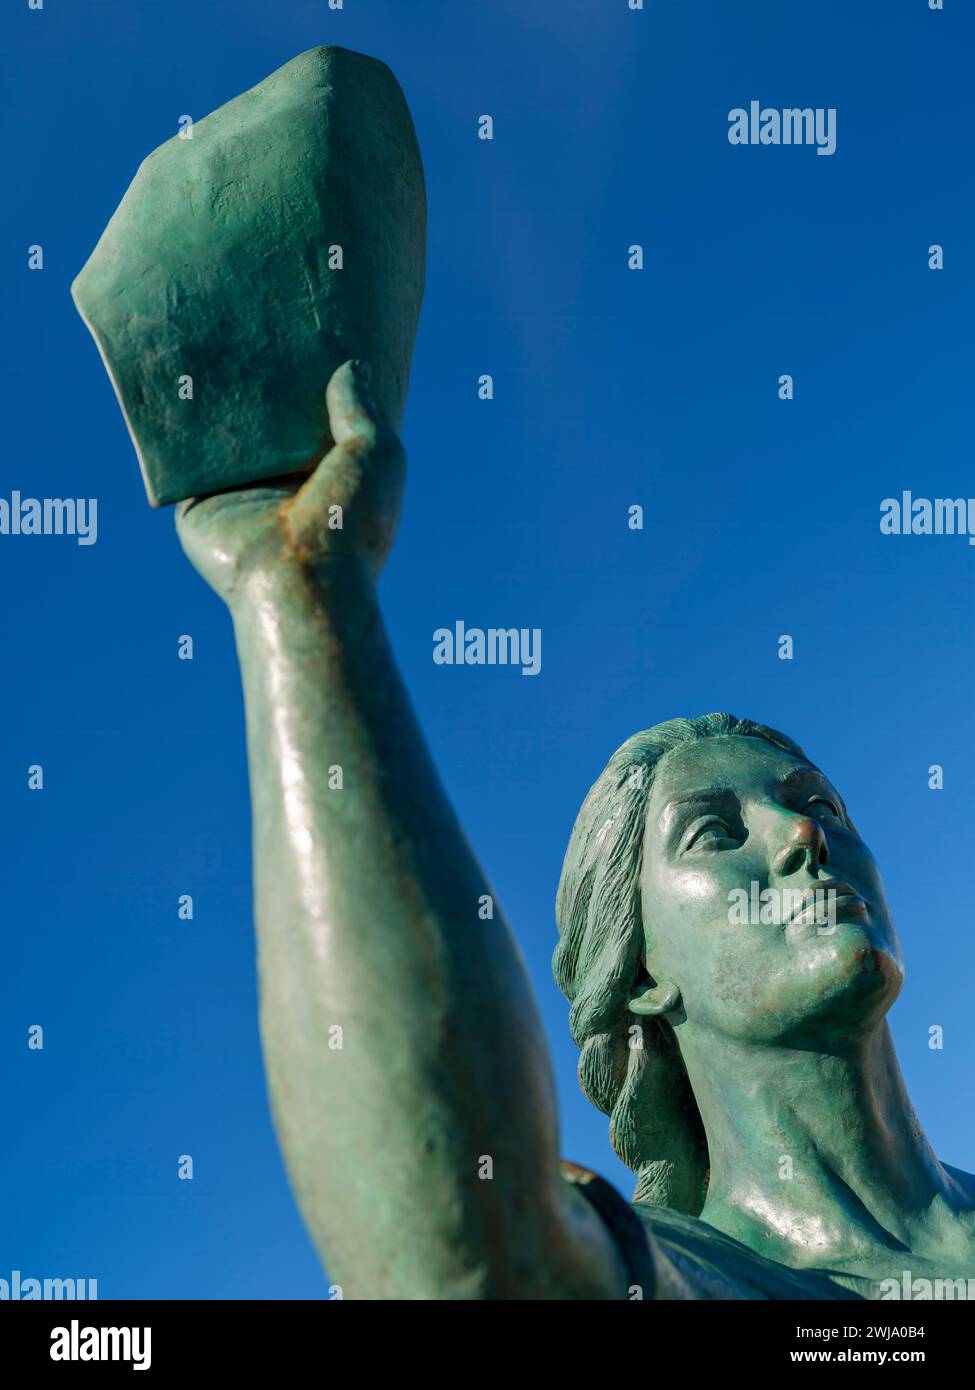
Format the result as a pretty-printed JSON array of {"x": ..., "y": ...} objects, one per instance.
[{"x": 747, "y": 1067}]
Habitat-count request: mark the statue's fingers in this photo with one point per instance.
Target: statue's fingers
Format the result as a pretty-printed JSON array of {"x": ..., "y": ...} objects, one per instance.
[
  {"x": 180, "y": 513},
  {"x": 192, "y": 514}
]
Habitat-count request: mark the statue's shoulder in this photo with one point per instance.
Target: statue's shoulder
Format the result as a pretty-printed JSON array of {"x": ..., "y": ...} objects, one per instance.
[
  {"x": 694, "y": 1260},
  {"x": 966, "y": 1181},
  {"x": 672, "y": 1256}
]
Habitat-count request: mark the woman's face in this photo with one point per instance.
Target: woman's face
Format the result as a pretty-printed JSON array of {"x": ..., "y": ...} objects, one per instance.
[{"x": 740, "y": 836}]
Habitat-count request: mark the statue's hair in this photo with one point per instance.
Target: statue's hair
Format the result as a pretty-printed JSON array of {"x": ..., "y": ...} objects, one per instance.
[{"x": 655, "y": 1124}]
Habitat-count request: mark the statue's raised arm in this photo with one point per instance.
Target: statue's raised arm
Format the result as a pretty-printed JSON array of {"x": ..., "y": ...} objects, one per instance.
[{"x": 409, "y": 1077}]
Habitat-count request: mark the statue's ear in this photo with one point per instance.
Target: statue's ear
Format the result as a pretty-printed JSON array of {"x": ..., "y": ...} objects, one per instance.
[{"x": 654, "y": 1000}]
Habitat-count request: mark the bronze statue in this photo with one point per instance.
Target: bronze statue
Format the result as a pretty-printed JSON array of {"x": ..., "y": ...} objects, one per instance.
[{"x": 747, "y": 1066}]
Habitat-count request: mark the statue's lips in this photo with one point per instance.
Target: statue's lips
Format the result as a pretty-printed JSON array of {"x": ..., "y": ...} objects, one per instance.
[{"x": 830, "y": 897}]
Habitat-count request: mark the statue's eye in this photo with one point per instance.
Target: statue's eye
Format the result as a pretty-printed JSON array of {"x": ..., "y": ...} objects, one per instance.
[
  {"x": 822, "y": 806},
  {"x": 712, "y": 833}
]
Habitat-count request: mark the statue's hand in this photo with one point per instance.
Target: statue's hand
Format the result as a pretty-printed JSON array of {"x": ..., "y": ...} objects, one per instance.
[{"x": 347, "y": 508}]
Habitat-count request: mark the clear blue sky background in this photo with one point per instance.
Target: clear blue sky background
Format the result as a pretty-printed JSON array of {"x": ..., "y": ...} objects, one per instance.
[{"x": 612, "y": 387}]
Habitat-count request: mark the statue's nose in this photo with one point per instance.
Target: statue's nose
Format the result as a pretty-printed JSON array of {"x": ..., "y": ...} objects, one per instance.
[{"x": 805, "y": 846}]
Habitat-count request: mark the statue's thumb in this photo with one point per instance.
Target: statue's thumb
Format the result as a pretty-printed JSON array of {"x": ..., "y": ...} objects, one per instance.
[
  {"x": 353, "y": 430},
  {"x": 352, "y": 414}
]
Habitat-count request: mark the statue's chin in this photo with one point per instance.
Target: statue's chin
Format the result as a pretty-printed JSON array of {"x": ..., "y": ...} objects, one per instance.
[
  {"x": 824, "y": 988},
  {"x": 848, "y": 980}
]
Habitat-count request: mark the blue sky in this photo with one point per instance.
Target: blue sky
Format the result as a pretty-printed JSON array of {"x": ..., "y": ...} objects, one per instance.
[{"x": 612, "y": 387}]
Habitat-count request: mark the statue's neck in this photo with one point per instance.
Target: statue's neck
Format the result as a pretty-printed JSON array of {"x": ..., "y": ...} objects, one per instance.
[{"x": 816, "y": 1157}]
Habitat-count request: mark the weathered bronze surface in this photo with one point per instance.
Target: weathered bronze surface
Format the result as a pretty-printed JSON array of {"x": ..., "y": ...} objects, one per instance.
[
  {"x": 747, "y": 1065},
  {"x": 283, "y": 237}
]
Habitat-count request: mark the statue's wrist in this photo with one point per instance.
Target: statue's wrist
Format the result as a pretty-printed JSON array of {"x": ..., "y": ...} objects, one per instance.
[{"x": 297, "y": 586}]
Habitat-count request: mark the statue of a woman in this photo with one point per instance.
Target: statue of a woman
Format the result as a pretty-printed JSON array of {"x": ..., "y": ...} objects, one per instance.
[{"x": 747, "y": 1067}]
